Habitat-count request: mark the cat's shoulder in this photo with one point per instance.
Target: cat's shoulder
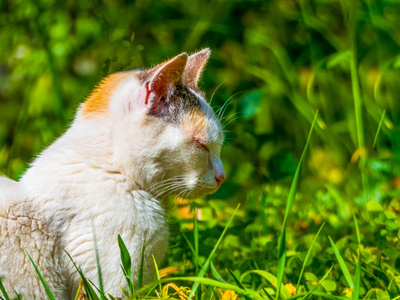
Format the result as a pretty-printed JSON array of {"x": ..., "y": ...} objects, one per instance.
[
  {"x": 7, "y": 184},
  {"x": 9, "y": 190}
]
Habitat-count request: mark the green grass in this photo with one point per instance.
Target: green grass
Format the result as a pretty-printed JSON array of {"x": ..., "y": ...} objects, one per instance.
[
  {"x": 292, "y": 193},
  {"x": 46, "y": 287},
  {"x": 283, "y": 60}
]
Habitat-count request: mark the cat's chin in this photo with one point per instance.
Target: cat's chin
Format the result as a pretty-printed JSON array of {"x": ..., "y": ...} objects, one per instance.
[{"x": 201, "y": 193}]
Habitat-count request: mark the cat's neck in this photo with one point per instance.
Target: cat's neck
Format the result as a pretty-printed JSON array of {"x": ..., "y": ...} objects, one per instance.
[{"x": 81, "y": 162}]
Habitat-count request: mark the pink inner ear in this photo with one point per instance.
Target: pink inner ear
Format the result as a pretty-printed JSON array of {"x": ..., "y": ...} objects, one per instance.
[{"x": 147, "y": 94}]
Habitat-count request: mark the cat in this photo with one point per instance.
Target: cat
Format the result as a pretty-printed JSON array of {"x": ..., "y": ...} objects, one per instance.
[{"x": 140, "y": 136}]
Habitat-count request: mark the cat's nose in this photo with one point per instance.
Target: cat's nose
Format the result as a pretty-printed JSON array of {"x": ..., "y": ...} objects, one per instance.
[{"x": 220, "y": 178}]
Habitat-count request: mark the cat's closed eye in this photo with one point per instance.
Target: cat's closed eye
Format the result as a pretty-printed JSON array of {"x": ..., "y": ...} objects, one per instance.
[{"x": 201, "y": 145}]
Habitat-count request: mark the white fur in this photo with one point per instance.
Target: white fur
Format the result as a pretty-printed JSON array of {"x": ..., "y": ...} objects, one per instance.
[{"x": 106, "y": 172}]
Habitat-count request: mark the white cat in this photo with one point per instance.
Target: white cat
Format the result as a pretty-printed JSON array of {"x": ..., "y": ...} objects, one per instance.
[{"x": 140, "y": 136}]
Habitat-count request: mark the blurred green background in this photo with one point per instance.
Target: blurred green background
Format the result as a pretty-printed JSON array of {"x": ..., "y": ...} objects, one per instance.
[{"x": 277, "y": 62}]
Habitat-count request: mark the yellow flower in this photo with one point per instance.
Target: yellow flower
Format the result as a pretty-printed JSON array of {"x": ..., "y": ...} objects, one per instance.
[
  {"x": 291, "y": 288},
  {"x": 228, "y": 295},
  {"x": 348, "y": 292},
  {"x": 182, "y": 292}
]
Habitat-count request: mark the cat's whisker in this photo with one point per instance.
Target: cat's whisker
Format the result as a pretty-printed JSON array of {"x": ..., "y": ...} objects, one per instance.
[
  {"x": 167, "y": 194},
  {"x": 230, "y": 119},
  {"x": 165, "y": 181},
  {"x": 157, "y": 185},
  {"x": 169, "y": 185},
  {"x": 230, "y": 116},
  {"x": 234, "y": 119},
  {"x": 176, "y": 189},
  {"x": 221, "y": 111},
  {"x": 226, "y": 131},
  {"x": 230, "y": 138},
  {"x": 215, "y": 90},
  {"x": 169, "y": 189},
  {"x": 181, "y": 194},
  {"x": 164, "y": 188},
  {"x": 188, "y": 194},
  {"x": 220, "y": 141}
]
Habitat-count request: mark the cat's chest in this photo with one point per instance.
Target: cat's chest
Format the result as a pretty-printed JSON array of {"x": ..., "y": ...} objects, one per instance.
[
  {"x": 127, "y": 212},
  {"x": 137, "y": 218},
  {"x": 139, "y": 221}
]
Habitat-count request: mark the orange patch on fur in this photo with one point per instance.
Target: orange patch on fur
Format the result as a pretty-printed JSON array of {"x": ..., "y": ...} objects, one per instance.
[
  {"x": 195, "y": 125},
  {"x": 98, "y": 101}
]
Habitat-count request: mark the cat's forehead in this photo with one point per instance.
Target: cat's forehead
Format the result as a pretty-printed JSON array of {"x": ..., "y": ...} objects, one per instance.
[
  {"x": 189, "y": 110},
  {"x": 200, "y": 123}
]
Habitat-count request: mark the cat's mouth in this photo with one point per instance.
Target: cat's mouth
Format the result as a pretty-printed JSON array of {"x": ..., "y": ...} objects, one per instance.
[{"x": 202, "y": 189}]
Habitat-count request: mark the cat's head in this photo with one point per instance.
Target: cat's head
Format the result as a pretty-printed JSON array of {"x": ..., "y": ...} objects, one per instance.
[{"x": 165, "y": 135}]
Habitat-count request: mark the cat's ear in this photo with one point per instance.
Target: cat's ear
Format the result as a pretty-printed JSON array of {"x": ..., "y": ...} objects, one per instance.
[
  {"x": 194, "y": 67},
  {"x": 167, "y": 75}
]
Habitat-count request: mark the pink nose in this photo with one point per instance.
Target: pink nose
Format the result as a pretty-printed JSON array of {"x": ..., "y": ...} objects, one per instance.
[{"x": 220, "y": 178}]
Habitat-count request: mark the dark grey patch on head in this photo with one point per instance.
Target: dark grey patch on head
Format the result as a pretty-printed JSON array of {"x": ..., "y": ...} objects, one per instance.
[
  {"x": 172, "y": 108},
  {"x": 145, "y": 74}
]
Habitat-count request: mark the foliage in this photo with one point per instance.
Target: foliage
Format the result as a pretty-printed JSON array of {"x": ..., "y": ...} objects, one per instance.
[{"x": 280, "y": 62}]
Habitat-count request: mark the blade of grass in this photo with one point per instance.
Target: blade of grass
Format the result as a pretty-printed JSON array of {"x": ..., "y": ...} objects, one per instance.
[
  {"x": 263, "y": 214},
  {"x": 307, "y": 256},
  {"x": 157, "y": 271},
  {"x": 319, "y": 283},
  {"x": 96, "y": 250},
  {"x": 89, "y": 291},
  {"x": 327, "y": 296},
  {"x": 3, "y": 290},
  {"x": 126, "y": 263},
  {"x": 46, "y": 288},
  {"x": 78, "y": 291},
  {"x": 270, "y": 278},
  {"x": 357, "y": 280},
  {"x": 140, "y": 276},
  {"x": 16, "y": 294},
  {"x": 268, "y": 295},
  {"x": 396, "y": 286},
  {"x": 379, "y": 129},
  {"x": 207, "y": 263},
  {"x": 196, "y": 243},
  {"x": 196, "y": 239},
  {"x": 149, "y": 291},
  {"x": 215, "y": 273},
  {"x": 253, "y": 258},
  {"x": 238, "y": 283},
  {"x": 342, "y": 264},
  {"x": 188, "y": 242},
  {"x": 292, "y": 193},
  {"x": 364, "y": 270},
  {"x": 281, "y": 261},
  {"x": 350, "y": 16}
]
